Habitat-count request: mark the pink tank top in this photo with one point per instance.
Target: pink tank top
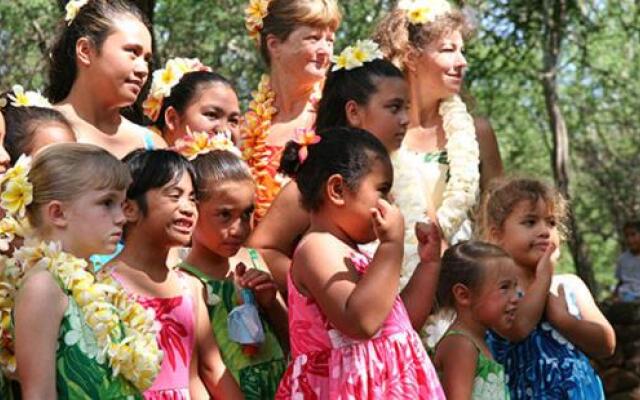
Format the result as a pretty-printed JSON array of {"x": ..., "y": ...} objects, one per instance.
[{"x": 176, "y": 339}]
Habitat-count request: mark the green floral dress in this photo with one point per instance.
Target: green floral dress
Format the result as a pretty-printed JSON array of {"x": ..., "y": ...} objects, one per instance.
[
  {"x": 258, "y": 375},
  {"x": 489, "y": 382},
  {"x": 9, "y": 390},
  {"x": 82, "y": 370}
]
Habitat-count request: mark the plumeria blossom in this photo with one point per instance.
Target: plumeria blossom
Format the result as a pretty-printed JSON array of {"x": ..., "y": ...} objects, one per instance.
[
  {"x": 305, "y": 137},
  {"x": 355, "y": 56},
  {"x": 124, "y": 331},
  {"x": 73, "y": 8},
  {"x": 424, "y": 11},
  {"x": 255, "y": 13},
  {"x": 196, "y": 143},
  {"x": 17, "y": 191},
  {"x": 29, "y": 98},
  {"x": 165, "y": 79}
]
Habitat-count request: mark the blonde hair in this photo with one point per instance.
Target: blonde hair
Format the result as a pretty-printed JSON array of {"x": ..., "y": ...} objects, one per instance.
[
  {"x": 64, "y": 171},
  {"x": 397, "y": 36},
  {"x": 284, "y": 16},
  {"x": 503, "y": 195}
]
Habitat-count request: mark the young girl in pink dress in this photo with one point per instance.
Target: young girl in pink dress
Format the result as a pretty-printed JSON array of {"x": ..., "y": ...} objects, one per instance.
[
  {"x": 351, "y": 336},
  {"x": 161, "y": 213}
]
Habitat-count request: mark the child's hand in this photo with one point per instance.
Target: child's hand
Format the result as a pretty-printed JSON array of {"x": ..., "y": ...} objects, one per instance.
[
  {"x": 260, "y": 282},
  {"x": 429, "y": 242},
  {"x": 557, "y": 309},
  {"x": 546, "y": 264},
  {"x": 388, "y": 222}
]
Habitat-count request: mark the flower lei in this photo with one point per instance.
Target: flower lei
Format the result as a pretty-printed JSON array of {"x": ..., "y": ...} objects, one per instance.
[
  {"x": 254, "y": 147},
  {"x": 255, "y": 13},
  {"x": 21, "y": 98},
  {"x": 461, "y": 190},
  {"x": 355, "y": 56},
  {"x": 196, "y": 143},
  {"x": 125, "y": 332},
  {"x": 165, "y": 79},
  {"x": 424, "y": 11},
  {"x": 72, "y": 9}
]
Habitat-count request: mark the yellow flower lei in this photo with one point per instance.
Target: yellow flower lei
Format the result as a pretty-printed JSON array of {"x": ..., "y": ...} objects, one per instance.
[
  {"x": 254, "y": 147},
  {"x": 124, "y": 330}
]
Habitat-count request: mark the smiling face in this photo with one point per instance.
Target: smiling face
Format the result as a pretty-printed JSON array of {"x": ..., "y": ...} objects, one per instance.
[
  {"x": 103, "y": 208},
  {"x": 440, "y": 66},
  {"x": 215, "y": 109},
  {"x": 494, "y": 304},
  {"x": 224, "y": 221},
  {"x": 171, "y": 213},
  {"x": 119, "y": 69},
  {"x": 386, "y": 113},
  {"x": 527, "y": 231},
  {"x": 305, "y": 55}
]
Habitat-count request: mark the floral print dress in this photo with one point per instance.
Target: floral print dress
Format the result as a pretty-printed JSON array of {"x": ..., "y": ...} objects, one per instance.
[
  {"x": 546, "y": 365},
  {"x": 489, "y": 382},
  {"x": 327, "y": 364}
]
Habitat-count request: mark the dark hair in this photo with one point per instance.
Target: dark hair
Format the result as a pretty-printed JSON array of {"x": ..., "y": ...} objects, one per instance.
[
  {"x": 219, "y": 166},
  {"x": 95, "y": 22},
  {"x": 349, "y": 152},
  {"x": 153, "y": 169},
  {"x": 22, "y": 124},
  {"x": 188, "y": 88},
  {"x": 465, "y": 263},
  {"x": 356, "y": 84},
  {"x": 635, "y": 225}
]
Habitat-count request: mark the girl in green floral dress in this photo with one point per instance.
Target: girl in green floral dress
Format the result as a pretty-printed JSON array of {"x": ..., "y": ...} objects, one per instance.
[
  {"x": 65, "y": 322},
  {"x": 220, "y": 261},
  {"x": 479, "y": 281}
]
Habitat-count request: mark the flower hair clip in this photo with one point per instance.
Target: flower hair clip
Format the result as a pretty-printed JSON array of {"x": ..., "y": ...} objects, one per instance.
[
  {"x": 197, "y": 143},
  {"x": 424, "y": 11},
  {"x": 17, "y": 191},
  {"x": 255, "y": 13},
  {"x": 73, "y": 8},
  {"x": 165, "y": 79},
  {"x": 305, "y": 137},
  {"x": 21, "y": 98},
  {"x": 355, "y": 56}
]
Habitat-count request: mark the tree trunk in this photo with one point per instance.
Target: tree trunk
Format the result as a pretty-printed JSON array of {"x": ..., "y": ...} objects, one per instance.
[{"x": 555, "y": 12}]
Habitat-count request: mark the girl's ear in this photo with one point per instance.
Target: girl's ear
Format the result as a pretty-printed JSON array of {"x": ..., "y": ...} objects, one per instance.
[
  {"x": 171, "y": 118},
  {"x": 462, "y": 294},
  {"x": 352, "y": 112},
  {"x": 84, "y": 51},
  {"x": 495, "y": 235},
  {"x": 56, "y": 214},
  {"x": 131, "y": 211},
  {"x": 335, "y": 189}
]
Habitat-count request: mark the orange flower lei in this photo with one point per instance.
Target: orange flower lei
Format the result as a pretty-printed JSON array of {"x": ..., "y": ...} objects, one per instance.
[{"x": 254, "y": 147}]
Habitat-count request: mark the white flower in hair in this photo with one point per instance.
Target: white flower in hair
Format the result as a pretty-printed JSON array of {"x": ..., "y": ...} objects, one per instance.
[
  {"x": 355, "y": 56},
  {"x": 424, "y": 11},
  {"x": 29, "y": 98},
  {"x": 73, "y": 8}
]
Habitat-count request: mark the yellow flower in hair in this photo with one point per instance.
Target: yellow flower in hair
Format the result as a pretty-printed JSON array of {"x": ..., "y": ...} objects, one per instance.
[
  {"x": 196, "y": 143},
  {"x": 424, "y": 11},
  {"x": 255, "y": 13},
  {"x": 16, "y": 195},
  {"x": 73, "y": 8}
]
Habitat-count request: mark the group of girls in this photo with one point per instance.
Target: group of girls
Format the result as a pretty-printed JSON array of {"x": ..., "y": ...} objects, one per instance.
[{"x": 193, "y": 302}]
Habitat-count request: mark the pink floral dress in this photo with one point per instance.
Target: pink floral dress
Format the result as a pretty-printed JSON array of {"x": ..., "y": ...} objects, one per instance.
[
  {"x": 176, "y": 339},
  {"x": 326, "y": 364}
]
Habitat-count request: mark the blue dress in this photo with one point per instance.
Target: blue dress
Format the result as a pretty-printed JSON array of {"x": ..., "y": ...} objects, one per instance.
[{"x": 545, "y": 365}]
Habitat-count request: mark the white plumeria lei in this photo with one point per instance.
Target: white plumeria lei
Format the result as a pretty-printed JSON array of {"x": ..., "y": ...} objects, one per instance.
[
  {"x": 125, "y": 331},
  {"x": 461, "y": 189}
]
